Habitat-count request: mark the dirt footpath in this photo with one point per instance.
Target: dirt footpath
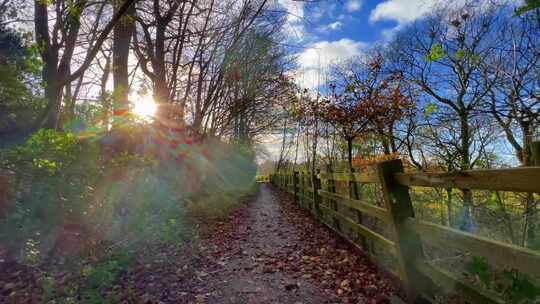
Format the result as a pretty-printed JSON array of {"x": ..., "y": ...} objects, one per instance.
[{"x": 274, "y": 252}]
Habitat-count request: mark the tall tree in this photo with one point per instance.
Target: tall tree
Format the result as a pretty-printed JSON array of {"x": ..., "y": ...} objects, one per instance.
[
  {"x": 512, "y": 77},
  {"x": 122, "y": 33},
  {"x": 57, "y": 42},
  {"x": 442, "y": 55}
]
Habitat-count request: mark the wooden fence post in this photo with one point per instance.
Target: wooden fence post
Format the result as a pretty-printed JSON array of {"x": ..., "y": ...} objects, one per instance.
[
  {"x": 408, "y": 244},
  {"x": 355, "y": 194},
  {"x": 316, "y": 184},
  {"x": 331, "y": 187},
  {"x": 295, "y": 185},
  {"x": 535, "y": 153},
  {"x": 301, "y": 190}
]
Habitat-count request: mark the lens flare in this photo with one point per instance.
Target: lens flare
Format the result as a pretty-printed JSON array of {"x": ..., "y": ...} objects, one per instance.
[{"x": 145, "y": 107}]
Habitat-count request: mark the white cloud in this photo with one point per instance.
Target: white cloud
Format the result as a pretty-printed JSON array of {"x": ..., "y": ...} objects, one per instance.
[
  {"x": 402, "y": 11},
  {"x": 353, "y": 5},
  {"x": 295, "y": 9},
  {"x": 294, "y": 26},
  {"x": 335, "y": 25},
  {"x": 322, "y": 9},
  {"x": 330, "y": 27},
  {"x": 317, "y": 58},
  {"x": 407, "y": 11}
]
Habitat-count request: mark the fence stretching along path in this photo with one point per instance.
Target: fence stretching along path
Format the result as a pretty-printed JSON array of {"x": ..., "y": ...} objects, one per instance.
[{"x": 420, "y": 278}]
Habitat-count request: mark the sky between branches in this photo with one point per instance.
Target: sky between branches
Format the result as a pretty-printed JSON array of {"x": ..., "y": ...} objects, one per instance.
[{"x": 326, "y": 31}]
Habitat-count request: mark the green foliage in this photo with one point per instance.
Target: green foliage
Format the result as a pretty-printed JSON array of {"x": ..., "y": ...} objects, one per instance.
[
  {"x": 530, "y": 5},
  {"x": 153, "y": 214},
  {"x": 510, "y": 284},
  {"x": 101, "y": 274},
  {"x": 90, "y": 280},
  {"x": 350, "y": 88},
  {"x": 430, "y": 108},
  {"x": 126, "y": 159},
  {"x": 46, "y": 2},
  {"x": 55, "y": 174},
  {"x": 33, "y": 61},
  {"x": 460, "y": 54},
  {"x": 480, "y": 267},
  {"x": 62, "y": 179},
  {"x": 218, "y": 205},
  {"x": 48, "y": 149},
  {"x": 19, "y": 66},
  {"x": 74, "y": 10},
  {"x": 437, "y": 52}
]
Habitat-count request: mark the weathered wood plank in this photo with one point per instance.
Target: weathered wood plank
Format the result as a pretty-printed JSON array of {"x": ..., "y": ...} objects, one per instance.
[
  {"x": 363, "y": 230},
  {"x": 514, "y": 179},
  {"x": 498, "y": 253},
  {"x": 369, "y": 209},
  {"x": 307, "y": 197},
  {"x": 364, "y": 177},
  {"x": 408, "y": 244},
  {"x": 451, "y": 284},
  {"x": 308, "y": 189}
]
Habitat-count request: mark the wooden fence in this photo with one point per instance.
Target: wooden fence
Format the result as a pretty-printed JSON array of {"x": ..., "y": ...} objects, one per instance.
[{"x": 420, "y": 278}]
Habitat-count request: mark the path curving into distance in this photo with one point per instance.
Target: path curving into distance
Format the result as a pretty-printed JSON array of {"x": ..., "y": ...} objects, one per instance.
[{"x": 272, "y": 251}]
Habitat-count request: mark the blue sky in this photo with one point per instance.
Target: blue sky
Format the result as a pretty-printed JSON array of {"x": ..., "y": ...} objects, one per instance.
[{"x": 340, "y": 29}]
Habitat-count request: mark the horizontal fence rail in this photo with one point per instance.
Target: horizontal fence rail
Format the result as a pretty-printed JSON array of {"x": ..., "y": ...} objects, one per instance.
[
  {"x": 420, "y": 278},
  {"x": 514, "y": 179}
]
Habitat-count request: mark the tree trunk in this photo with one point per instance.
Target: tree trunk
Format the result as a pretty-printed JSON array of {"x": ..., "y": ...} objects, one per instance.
[
  {"x": 49, "y": 55},
  {"x": 465, "y": 164},
  {"x": 349, "y": 152},
  {"x": 531, "y": 209},
  {"x": 53, "y": 95},
  {"x": 161, "y": 91},
  {"x": 123, "y": 31},
  {"x": 105, "y": 99},
  {"x": 449, "y": 202}
]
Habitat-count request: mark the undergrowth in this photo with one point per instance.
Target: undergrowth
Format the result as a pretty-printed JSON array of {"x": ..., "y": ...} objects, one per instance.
[
  {"x": 212, "y": 206},
  {"x": 80, "y": 215}
]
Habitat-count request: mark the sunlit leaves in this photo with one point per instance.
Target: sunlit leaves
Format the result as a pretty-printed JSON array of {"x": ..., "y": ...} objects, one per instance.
[
  {"x": 46, "y": 2},
  {"x": 364, "y": 161},
  {"x": 460, "y": 54},
  {"x": 369, "y": 101},
  {"x": 74, "y": 10},
  {"x": 48, "y": 165},
  {"x": 437, "y": 52},
  {"x": 430, "y": 108}
]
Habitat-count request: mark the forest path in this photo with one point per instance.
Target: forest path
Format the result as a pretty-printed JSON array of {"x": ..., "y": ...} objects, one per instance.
[{"x": 272, "y": 251}]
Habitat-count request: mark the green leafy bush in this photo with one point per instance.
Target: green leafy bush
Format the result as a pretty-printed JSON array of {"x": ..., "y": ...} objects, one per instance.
[
  {"x": 55, "y": 174},
  {"x": 513, "y": 286},
  {"x": 74, "y": 192},
  {"x": 20, "y": 65}
]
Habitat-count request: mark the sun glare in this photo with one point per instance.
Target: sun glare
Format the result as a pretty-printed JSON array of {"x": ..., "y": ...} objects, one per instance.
[{"x": 145, "y": 107}]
